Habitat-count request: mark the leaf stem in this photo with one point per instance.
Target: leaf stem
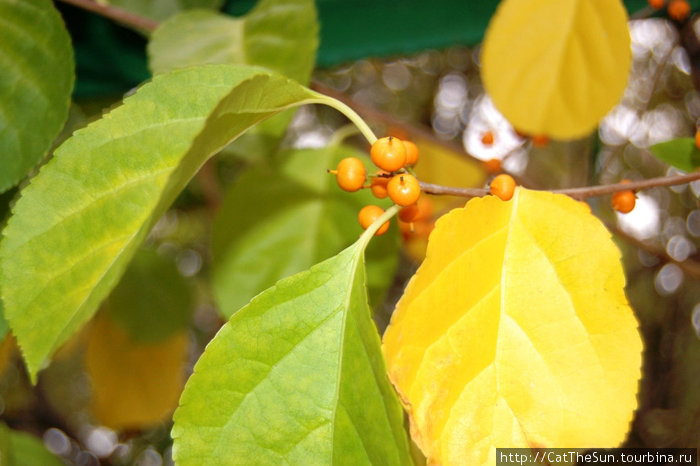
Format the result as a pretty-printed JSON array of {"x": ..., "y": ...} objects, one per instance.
[
  {"x": 372, "y": 229},
  {"x": 349, "y": 113},
  {"x": 342, "y": 134}
]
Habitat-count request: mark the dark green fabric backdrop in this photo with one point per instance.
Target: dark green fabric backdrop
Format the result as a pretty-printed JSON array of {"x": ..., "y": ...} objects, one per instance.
[{"x": 110, "y": 59}]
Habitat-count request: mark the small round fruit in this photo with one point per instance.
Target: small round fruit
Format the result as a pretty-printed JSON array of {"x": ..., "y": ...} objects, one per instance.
[
  {"x": 378, "y": 184},
  {"x": 487, "y": 138},
  {"x": 624, "y": 201},
  {"x": 503, "y": 186},
  {"x": 492, "y": 166},
  {"x": 657, "y": 4},
  {"x": 421, "y": 210},
  {"x": 540, "y": 140},
  {"x": 678, "y": 9},
  {"x": 388, "y": 153},
  {"x": 697, "y": 138},
  {"x": 403, "y": 189},
  {"x": 368, "y": 215},
  {"x": 350, "y": 174},
  {"x": 411, "y": 153}
]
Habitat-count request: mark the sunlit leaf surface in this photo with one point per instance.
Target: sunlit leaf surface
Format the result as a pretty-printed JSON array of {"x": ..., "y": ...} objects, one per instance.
[
  {"x": 281, "y": 35},
  {"x": 295, "y": 377},
  {"x": 35, "y": 84},
  {"x": 516, "y": 332},
  {"x": 556, "y": 67},
  {"x": 62, "y": 254},
  {"x": 281, "y": 218}
]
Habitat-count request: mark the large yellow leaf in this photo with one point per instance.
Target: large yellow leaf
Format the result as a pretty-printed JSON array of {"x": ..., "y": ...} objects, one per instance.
[
  {"x": 556, "y": 67},
  {"x": 135, "y": 384},
  {"x": 516, "y": 332}
]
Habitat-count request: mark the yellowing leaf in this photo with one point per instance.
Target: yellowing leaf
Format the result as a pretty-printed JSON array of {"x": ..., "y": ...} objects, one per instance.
[
  {"x": 516, "y": 331},
  {"x": 556, "y": 67},
  {"x": 135, "y": 384}
]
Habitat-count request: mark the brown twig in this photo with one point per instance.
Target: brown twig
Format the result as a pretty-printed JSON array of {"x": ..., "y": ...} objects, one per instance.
[
  {"x": 117, "y": 14},
  {"x": 576, "y": 193},
  {"x": 431, "y": 188},
  {"x": 689, "y": 266},
  {"x": 592, "y": 191}
]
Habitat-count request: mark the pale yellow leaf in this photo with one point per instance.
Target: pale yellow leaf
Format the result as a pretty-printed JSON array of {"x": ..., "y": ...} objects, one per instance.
[
  {"x": 135, "y": 385},
  {"x": 515, "y": 332},
  {"x": 556, "y": 67}
]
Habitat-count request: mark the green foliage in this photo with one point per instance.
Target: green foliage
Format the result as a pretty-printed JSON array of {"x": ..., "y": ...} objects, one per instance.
[
  {"x": 20, "y": 449},
  {"x": 116, "y": 177},
  {"x": 160, "y": 10},
  {"x": 681, "y": 153},
  {"x": 37, "y": 78},
  {"x": 281, "y": 35},
  {"x": 283, "y": 217},
  {"x": 305, "y": 357},
  {"x": 152, "y": 300}
]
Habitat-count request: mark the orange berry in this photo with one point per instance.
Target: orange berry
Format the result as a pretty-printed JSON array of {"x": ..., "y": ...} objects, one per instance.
[
  {"x": 624, "y": 201},
  {"x": 540, "y": 140},
  {"x": 378, "y": 184},
  {"x": 368, "y": 215},
  {"x": 350, "y": 174},
  {"x": 492, "y": 166},
  {"x": 411, "y": 153},
  {"x": 421, "y": 210},
  {"x": 678, "y": 9},
  {"x": 503, "y": 186},
  {"x": 388, "y": 153},
  {"x": 403, "y": 189},
  {"x": 657, "y": 4},
  {"x": 487, "y": 138},
  {"x": 697, "y": 138}
]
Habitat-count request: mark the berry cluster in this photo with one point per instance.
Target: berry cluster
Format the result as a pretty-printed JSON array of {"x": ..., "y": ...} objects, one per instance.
[
  {"x": 677, "y": 9},
  {"x": 391, "y": 155}
]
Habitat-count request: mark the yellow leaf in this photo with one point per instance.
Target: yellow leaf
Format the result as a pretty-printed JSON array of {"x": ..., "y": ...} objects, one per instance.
[
  {"x": 135, "y": 385},
  {"x": 441, "y": 165},
  {"x": 515, "y": 332},
  {"x": 556, "y": 67}
]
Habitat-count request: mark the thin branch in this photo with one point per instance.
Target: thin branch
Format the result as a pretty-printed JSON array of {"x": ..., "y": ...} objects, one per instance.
[
  {"x": 576, "y": 193},
  {"x": 689, "y": 266},
  {"x": 431, "y": 188},
  {"x": 591, "y": 191},
  {"x": 117, "y": 14}
]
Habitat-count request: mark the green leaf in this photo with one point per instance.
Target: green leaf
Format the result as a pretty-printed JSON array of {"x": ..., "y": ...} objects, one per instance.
[
  {"x": 19, "y": 449},
  {"x": 79, "y": 222},
  {"x": 160, "y": 10},
  {"x": 281, "y": 35},
  {"x": 152, "y": 300},
  {"x": 4, "y": 328},
  {"x": 295, "y": 377},
  {"x": 681, "y": 153},
  {"x": 37, "y": 77},
  {"x": 282, "y": 218}
]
